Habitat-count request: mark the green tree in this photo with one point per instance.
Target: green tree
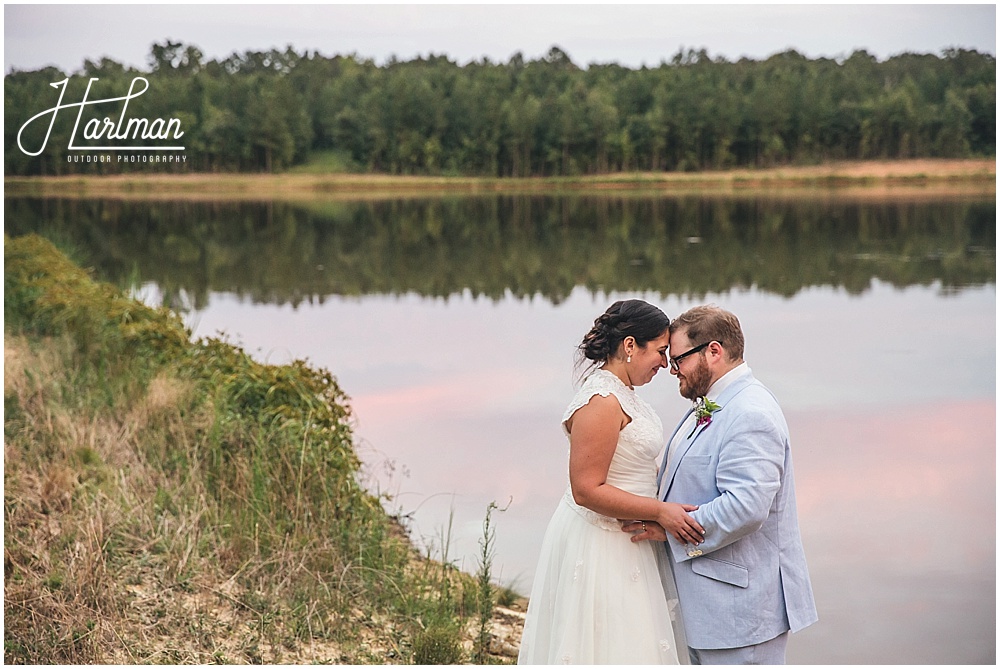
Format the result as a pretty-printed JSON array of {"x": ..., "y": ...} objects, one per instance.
[{"x": 270, "y": 110}]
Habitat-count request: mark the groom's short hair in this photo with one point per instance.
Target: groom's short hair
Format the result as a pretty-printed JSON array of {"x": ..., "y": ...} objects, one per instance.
[{"x": 711, "y": 323}]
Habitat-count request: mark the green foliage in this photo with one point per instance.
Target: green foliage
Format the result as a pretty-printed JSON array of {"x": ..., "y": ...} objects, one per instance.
[
  {"x": 437, "y": 645},
  {"x": 115, "y": 338},
  {"x": 269, "y": 111},
  {"x": 327, "y": 162},
  {"x": 142, "y": 485},
  {"x": 45, "y": 294}
]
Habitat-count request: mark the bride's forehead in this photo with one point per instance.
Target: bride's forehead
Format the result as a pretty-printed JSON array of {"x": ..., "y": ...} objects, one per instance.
[{"x": 663, "y": 339}]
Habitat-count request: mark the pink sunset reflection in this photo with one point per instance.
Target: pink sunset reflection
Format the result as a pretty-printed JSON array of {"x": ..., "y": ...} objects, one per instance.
[
  {"x": 898, "y": 517},
  {"x": 940, "y": 454}
]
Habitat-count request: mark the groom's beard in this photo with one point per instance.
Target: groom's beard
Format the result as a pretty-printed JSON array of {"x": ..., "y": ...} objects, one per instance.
[{"x": 695, "y": 384}]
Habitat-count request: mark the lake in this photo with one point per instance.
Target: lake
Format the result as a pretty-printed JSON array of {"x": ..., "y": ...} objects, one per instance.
[{"x": 452, "y": 324}]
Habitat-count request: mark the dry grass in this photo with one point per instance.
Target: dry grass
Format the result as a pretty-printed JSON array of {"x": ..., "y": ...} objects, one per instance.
[
  {"x": 921, "y": 176},
  {"x": 180, "y": 503},
  {"x": 109, "y": 561}
]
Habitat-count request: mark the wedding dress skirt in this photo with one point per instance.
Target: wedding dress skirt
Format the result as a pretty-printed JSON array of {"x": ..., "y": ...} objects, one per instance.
[{"x": 598, "y": 598}]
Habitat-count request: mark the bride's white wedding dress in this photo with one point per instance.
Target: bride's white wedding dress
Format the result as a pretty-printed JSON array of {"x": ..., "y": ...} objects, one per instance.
[{"x": 597, "y": 597}]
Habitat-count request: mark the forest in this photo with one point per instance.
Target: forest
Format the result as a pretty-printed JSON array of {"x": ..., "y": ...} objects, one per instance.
[{"x": 279, "y": 110}]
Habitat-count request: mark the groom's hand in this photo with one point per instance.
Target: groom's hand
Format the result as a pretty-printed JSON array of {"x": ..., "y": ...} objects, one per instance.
[{"x": 645, "y": 530}]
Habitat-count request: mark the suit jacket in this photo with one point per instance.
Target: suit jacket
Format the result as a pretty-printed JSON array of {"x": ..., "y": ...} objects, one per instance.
[{"x": 748, "y": 582}]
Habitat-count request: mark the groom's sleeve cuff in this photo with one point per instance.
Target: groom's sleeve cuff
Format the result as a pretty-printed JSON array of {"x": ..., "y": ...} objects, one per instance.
[{"x": 682, "y": 552}]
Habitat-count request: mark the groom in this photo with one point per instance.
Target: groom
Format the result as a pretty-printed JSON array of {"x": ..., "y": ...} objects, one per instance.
[{"x": 746, "y": 585}]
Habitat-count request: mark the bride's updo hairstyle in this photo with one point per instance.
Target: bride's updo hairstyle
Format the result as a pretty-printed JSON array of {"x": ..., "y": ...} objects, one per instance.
[{"x": 625, "y": 318}]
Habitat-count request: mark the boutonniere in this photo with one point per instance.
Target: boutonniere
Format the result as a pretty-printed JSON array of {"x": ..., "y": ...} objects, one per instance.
[{"x": 703, "y": 413}]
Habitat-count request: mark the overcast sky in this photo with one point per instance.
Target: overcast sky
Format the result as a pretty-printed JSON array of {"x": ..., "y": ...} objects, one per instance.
[{"x": 632, "y": 35}]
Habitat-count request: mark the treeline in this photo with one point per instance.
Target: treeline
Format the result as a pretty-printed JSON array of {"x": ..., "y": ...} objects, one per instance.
[{"x": 270, "y": 111}]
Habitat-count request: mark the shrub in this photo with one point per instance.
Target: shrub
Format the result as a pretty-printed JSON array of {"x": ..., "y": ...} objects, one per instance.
[{"x": 437, "y": 645}]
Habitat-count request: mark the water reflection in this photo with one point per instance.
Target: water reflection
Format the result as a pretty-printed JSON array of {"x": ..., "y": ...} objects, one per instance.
[
  {"x": 895, "y": 476},
  {"x": 898, "y": 509},
  {"x": 452, "y": 324},
  {"x": 520, "y": 245}
]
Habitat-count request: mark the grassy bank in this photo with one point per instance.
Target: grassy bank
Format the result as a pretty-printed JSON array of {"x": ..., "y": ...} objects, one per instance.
[
  {"x": 912, "y": 174},
  {"x": 174, "y": 501}
]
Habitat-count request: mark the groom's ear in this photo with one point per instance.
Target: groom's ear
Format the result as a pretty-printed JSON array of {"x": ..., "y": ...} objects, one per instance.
[{"x": 715, "y": 348}]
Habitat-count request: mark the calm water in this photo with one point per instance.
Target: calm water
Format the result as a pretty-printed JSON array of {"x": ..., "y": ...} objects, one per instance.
[{"x": 452, "y": 325}]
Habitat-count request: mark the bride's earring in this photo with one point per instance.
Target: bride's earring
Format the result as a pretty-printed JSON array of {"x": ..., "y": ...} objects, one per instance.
[{"x": 628, "y": 359}]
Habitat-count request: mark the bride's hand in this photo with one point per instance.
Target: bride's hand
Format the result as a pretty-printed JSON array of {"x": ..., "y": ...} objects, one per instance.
[
  {"x": 648, "y": 530},
  {"x": 675, "y": 520}
]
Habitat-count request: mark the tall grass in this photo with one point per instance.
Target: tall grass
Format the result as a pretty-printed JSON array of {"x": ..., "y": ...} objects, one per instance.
[{"x": 175, "y": 501}]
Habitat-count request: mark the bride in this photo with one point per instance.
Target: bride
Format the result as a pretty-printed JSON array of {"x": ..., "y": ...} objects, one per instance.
[{"x": 599, "y": 598}]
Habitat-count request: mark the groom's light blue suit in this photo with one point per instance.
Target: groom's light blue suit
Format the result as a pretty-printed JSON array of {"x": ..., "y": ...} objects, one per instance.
[{"x": 748, "y": 582}]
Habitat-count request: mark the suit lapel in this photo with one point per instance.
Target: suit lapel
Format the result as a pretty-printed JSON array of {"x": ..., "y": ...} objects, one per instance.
[
  {"x": 666, "y": 452},
  {"x": 682, "y": 449},
  {"x": 685, "y": 445}
]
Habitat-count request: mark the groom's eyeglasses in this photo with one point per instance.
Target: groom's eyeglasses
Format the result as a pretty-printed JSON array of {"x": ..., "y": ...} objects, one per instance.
[{"x": 675, "y": 362}]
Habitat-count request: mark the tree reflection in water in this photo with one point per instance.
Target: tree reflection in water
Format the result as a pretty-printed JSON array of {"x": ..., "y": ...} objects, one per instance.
[{"x": 527, "y": 245}]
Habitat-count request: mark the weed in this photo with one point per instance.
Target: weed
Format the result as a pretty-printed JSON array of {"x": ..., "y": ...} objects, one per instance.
[
  {"x": 486, "y": 600},
  {"x": 437, "y": 645}
]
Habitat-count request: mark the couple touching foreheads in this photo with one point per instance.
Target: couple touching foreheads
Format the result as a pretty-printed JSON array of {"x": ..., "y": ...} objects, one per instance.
[{"x": 676, "y": 552}]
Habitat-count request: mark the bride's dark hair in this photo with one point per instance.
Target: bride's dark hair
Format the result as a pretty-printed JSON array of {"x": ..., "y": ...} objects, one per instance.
[{"x": 625, "y": 318}]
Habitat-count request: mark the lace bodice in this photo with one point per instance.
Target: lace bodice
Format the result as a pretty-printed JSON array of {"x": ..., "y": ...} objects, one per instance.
[{"x": 633, "y": 466}]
